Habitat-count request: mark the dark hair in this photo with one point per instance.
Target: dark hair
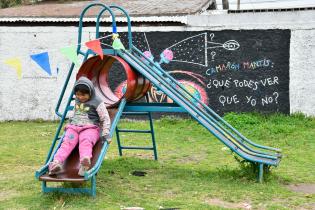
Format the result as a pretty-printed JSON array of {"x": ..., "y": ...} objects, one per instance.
[{"x": 82, "y": 88}]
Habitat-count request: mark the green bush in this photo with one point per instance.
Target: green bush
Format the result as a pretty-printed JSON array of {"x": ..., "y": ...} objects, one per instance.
[{"x": 9, "y": 3}]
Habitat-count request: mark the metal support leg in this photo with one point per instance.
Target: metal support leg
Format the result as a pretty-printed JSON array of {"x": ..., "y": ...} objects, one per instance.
[
  {"x": 93, "y": 186},
  {"x": 153, "y": 136},
  {"x": 44, "y": 185},
  {"x": 118, "y": 141},
  {"x": 260, "y": 172}
]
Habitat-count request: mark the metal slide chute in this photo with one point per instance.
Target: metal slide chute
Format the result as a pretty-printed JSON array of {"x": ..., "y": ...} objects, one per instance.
[{"x": 228, "y": 135}]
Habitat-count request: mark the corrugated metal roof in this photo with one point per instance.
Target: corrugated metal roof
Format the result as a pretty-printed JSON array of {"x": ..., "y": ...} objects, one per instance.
[
  {"x": 178, "y": 19},
  {"x": 139, "y": 10},
  {"x": 268, "y": 4}
]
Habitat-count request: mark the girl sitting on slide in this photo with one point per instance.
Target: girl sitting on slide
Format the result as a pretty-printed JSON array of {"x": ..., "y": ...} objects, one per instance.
[{"x": 90, "y": 117}]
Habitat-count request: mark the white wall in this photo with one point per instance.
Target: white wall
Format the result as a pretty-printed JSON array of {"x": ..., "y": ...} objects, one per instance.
[{"x": 36, "y": 94}]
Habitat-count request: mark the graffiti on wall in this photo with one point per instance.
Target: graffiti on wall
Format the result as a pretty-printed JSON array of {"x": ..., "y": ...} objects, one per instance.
[{"x": 227, "y": 70}]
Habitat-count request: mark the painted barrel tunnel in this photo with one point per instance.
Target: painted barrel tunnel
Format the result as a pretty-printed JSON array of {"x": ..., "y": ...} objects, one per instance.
[{"x": 98, "y": 71}]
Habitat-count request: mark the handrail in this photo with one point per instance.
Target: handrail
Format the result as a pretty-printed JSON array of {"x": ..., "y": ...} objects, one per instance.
[
  {"x": 63, "y": 91},
  {"x": 83, "y": 13},
  {"x": 128, "y": 22},
  {"x": 60, "y": 126}
]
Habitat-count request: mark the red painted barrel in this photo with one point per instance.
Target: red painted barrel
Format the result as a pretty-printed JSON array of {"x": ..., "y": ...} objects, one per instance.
[{"x": 98, "y": 71}]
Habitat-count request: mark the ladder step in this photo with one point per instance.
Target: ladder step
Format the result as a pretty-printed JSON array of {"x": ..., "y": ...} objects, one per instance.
[
  {"x": 134, "y": 131},
  {"x": 143, "y": 148},
  {"x": 135, "y": 113},
  {"x": 70, "y": 108}
]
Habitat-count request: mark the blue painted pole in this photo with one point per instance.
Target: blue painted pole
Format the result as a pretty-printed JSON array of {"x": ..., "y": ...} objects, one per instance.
[
  {"x": 129, "y": 24},
  {"x": 118, "y": 142},
  {"x": 114, "y": 27},
  {"x": 260, "y": 172},
  {"x": 153, "y": 137}
]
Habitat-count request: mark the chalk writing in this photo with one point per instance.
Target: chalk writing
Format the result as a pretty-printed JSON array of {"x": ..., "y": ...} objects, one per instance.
[
  {"x": 245, "y": 65},
  {"x": 243, "y": 83},
  {"x": 265, "y": 100},
  {"x": 253, "y": 101},
  {"x": 228, "y": 99}
]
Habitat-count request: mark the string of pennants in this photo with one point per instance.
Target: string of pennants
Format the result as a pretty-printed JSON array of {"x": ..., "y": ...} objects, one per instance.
[{"x": 70, "y": 52}]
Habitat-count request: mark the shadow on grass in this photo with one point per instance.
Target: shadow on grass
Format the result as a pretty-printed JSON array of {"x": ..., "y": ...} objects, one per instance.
[
  {"x": 116, "y": 181},
  {"x": 126, "y": 166}
]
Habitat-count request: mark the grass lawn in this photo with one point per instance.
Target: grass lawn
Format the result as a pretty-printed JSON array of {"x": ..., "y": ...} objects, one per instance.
[{"x": 194, "y": 171}]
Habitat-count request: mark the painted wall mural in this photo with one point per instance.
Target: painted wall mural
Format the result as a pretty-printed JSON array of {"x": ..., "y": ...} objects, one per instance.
[{"x": 228, "y": 70}]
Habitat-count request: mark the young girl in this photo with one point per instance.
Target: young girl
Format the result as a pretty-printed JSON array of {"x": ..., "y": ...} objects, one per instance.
[{"x": 90, "y": 115}]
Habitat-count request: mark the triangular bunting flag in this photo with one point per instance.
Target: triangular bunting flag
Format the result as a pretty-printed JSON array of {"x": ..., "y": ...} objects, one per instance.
[
  {"x": 42, "y": 59},
  {"x": 117, "y": 44},
  {"x": 95, "y": 45},
  {"x": 71, "y": 54},
  {"x": 16, "y": 64}
]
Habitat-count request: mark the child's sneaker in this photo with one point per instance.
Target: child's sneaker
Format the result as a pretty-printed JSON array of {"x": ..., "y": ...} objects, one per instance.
[
  {"x": 55, "y": 167},
  {"x": 85, "y": 165}
]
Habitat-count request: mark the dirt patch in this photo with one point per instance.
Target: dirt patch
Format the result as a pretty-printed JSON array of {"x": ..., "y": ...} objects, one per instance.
[
  {"x": 195, "y": 158},
  {"x": 307, "y": 188},
  {"x": 229, "y": 205},
  {"x": 5, "y": 195}
]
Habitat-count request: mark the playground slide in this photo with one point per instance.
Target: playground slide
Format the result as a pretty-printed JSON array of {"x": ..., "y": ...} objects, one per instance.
[
  {"x": 72, "y": 163},
  {"x": 138, "y": 83},
  {"x": 228, "y": 135}
]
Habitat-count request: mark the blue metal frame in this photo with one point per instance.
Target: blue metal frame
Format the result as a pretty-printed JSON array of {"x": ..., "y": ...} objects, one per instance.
[
  {"x": 91, "y": 191},
  {"x": 154, "y": 107}
]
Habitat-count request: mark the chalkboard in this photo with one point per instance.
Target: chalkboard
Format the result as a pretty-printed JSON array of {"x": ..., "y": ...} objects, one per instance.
[{"x": 230, "y": 70}]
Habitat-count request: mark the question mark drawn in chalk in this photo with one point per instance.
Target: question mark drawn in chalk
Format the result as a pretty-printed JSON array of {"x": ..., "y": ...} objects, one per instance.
[
  {"x": 211, "y": 36},
  {"x": 276, "y": 94},
  {"x": 212, "y": 55}
]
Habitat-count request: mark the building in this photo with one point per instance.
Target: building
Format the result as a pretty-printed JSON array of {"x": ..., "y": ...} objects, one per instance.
[{"x": 237, "y": 60}]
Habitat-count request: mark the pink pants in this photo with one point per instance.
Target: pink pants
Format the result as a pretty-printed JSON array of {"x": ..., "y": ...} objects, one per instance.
[{"x": 86, "y": 136}]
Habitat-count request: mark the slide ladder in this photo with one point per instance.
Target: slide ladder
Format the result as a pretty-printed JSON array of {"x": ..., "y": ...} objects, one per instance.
[{"x": 149, "y": 131}]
